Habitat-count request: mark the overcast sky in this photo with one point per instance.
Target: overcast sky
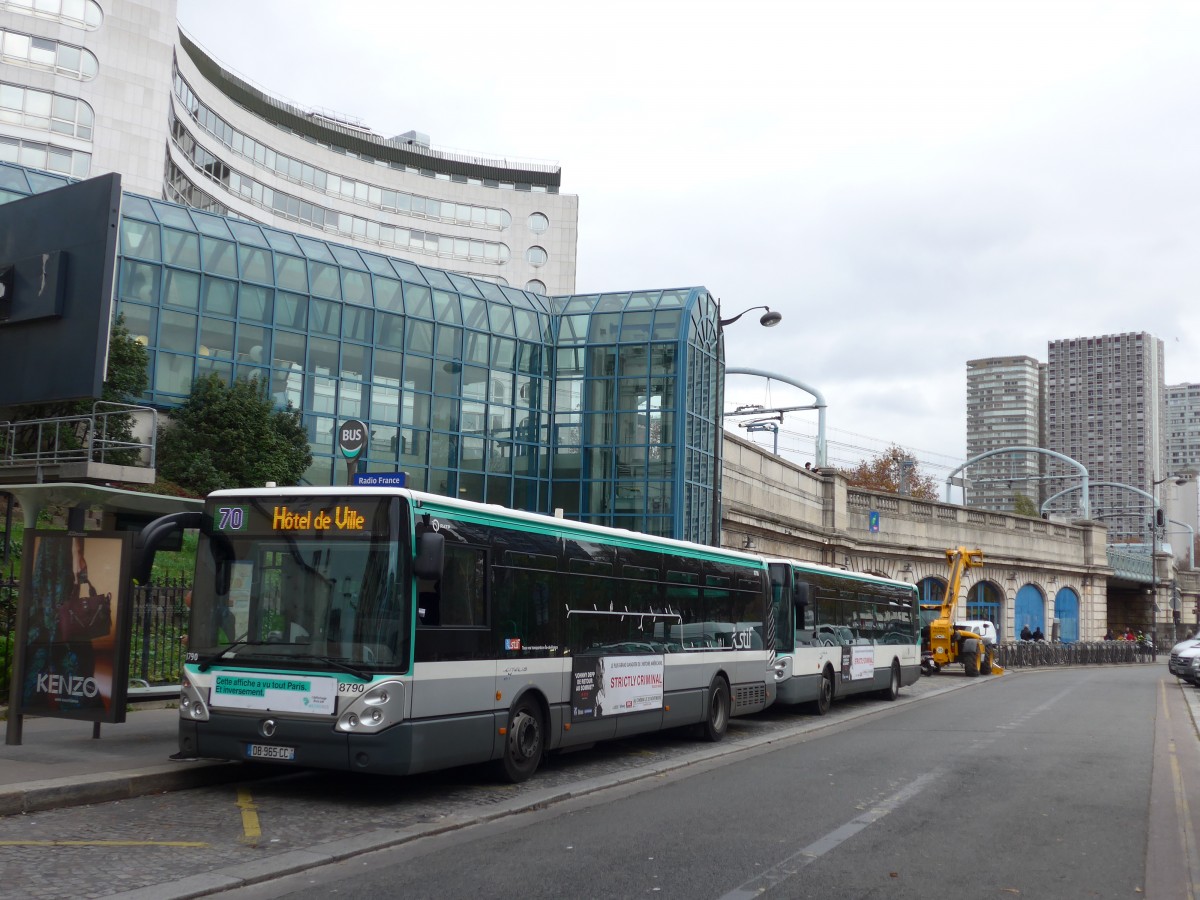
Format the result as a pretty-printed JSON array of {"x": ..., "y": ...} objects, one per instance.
[{"x": 912, "y": 184}]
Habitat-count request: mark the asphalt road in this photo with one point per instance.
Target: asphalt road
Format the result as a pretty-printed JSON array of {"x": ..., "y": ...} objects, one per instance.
[
  {"x": 1053, "y": 783},
  {"x": 1039, "y": 786}
]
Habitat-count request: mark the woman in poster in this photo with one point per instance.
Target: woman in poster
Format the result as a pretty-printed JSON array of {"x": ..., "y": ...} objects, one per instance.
[{"x": 69, "y": 644}]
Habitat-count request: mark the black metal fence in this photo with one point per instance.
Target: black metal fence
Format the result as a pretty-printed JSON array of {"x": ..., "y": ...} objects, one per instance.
[
  {"x": 159, "y": 631},
  {"x": 1027, "y": 654}
]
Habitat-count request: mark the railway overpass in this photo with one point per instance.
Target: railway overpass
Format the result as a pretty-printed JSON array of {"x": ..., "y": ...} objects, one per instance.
[{"x": 1033, "y": 569}]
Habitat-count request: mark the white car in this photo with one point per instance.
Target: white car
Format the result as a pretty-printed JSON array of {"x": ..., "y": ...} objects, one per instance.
[
  {"x": 1183, "y": 655},
  {"x": 981, "y": 627}
]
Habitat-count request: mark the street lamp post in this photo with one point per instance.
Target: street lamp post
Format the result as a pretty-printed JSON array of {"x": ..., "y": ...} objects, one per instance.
[{"x": 769, "y": 319}]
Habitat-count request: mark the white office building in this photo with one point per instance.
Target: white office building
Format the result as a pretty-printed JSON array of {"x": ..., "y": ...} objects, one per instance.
[
  {"x": 1003, "y": 410},
  {"x": 89, "y": 88}
]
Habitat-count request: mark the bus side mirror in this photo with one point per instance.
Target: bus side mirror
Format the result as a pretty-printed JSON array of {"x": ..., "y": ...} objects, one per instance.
[
  {"x": 431, "y": 551},
  {"x": 153, "y": 535}
]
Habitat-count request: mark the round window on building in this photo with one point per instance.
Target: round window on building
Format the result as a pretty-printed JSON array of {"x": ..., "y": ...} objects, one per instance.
[
  {"x": 536, "y": 256},
  {"x": 536, "y": 287},
  {"x": 538, "y": 223}
]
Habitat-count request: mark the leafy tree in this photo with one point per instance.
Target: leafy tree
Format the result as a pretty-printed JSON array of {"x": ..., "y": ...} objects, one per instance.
[
  {"x": 125, "y": 380},
  {"x": 889, "y": 470},
  {"x": 1024, "y": 506},
  {"x": 226, "y": 436}
]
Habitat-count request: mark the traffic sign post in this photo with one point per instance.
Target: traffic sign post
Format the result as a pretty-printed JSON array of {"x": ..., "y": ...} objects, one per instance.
[{"x": 352, "y": 437}]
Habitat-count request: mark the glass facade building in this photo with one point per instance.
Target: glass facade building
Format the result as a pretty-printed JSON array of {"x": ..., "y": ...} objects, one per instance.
[{"x": 605, "y": 406}]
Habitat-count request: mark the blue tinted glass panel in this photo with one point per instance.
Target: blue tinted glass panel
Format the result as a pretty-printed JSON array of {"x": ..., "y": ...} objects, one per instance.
[
  {"x": 219, "y": 257},
  {"x": 291, "y": 311},
  {"x": 445, "y": 308},
  {"x": 418, "y": 301},
  {"x": 347, "y": 257},
  {"x": 356, "y": 287},
  {"x": 356, "y": 323},
  {"x": 388, "y": 295},
  {"x": 181, "y": 289},
  {"x": 255, "y": 303},
  {"x": 139, "y": 239},
  {"x": 256, "y": 265},
  {"x": 169, "y": 214},
  {"x": 245, "y": 233},
  {"x": 325, "y": 281},
  {"x": 139, "y": 282},
  {"x": 281, "y": 241},
  {"x": 389, "y": 331},
  {"x": 291, "y": 273},
  {"x": 325, "y": 318},
  {"x": 408, "y": 272}
]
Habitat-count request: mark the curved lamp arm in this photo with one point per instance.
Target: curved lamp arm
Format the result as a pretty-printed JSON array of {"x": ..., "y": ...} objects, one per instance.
[{"x": 769, "y": 319}]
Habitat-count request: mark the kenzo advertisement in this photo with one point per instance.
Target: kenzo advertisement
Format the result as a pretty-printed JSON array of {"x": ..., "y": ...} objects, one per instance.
[{"x": 76, "y": 640}]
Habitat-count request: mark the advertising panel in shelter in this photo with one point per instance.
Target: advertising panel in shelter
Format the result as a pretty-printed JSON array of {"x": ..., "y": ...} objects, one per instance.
[{"x": 76, "y": 636}]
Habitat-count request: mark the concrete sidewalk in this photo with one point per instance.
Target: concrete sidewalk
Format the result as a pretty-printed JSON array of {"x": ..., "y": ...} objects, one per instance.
[{"x": 58, "y": 763}]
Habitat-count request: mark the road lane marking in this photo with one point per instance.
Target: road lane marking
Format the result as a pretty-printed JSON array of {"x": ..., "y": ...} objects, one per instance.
[
  {"x": 104, "y": 844},
  {"x": 784, "y": 870},
  {"x": 251, "y": 831}
]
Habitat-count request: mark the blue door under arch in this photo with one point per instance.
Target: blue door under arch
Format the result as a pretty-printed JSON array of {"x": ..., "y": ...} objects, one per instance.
[
  {"x": 1029, "y": 610},
  {"x": 984, "y": 601},
  {"x": 931, "y": 589},
  {"x": 1066, "y": 610}
]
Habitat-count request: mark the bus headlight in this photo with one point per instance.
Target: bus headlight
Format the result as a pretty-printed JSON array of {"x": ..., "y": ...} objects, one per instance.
[
  {"x": 191, "y": 703},
  {"x": 379, "y": 707}
]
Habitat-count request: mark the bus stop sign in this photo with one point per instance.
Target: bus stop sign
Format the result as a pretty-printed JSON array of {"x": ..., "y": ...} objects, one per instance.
[{"x": 352, "y": 435}]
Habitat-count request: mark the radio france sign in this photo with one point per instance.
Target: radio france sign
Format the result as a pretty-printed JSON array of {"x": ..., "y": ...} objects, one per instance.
[
  {"x": 380, "y": 479},
  {"x": 352, "y": 437}
]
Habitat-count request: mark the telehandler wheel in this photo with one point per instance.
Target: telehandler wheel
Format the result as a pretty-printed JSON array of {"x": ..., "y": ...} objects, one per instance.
[
  {"x": 969, "y": 651},
  {"x": 985, "y": 661}
]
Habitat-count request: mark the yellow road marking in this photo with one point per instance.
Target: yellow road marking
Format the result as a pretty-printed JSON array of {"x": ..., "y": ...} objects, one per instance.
[
  {"x": 103, "y": 844},
  {"x": 250, "y": 829},
  {"x": 1182, "y": 811}
]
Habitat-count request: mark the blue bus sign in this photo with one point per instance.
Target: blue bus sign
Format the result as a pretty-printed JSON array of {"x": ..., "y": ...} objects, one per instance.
[{"x": 379, "y": 479}]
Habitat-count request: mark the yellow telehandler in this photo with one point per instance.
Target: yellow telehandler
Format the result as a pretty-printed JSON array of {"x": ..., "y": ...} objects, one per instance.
[{"x": 941, "y": 642}]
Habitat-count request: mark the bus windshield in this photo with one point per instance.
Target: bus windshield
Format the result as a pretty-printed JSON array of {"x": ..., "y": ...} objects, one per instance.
[{"x": 313, "y": 583}]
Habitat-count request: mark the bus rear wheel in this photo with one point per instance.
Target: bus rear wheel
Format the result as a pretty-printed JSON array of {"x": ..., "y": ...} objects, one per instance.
[
  {"x": 824, "y": 694},
  {"x": 717, "y": 720},
  {"x": 892, "y": 691},
  {"x": 524, "y": 743}
]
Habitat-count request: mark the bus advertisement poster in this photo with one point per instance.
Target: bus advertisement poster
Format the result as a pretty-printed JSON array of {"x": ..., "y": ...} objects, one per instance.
[
  {"x": 75, "y": 630},
  {"x": 858, "y": 662},
  {"x": 613, "y": 685}
]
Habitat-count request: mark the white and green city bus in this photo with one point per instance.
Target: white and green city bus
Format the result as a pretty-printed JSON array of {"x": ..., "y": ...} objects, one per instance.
[
  {"x": 840, "y": 633},
  {"x": 390, "y": 631}
]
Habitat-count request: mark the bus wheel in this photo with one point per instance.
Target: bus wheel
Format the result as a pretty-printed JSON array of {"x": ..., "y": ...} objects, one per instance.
[
  {"x": 524, "y": 743},
  {"x": 892, "y": 691},
  {"x": 824, "y": 694},
  {"x": 717, "y": 720}
]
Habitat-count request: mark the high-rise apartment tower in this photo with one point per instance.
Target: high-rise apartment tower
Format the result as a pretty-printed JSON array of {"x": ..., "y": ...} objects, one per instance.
[{"x": 1003, "y": 410}]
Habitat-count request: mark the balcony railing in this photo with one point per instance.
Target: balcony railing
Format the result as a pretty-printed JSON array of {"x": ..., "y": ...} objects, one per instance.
[{"x": 114, "y": 433}]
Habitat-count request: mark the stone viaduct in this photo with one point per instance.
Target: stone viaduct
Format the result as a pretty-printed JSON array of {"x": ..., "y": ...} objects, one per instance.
[{"x": 1046, "y": 569}]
